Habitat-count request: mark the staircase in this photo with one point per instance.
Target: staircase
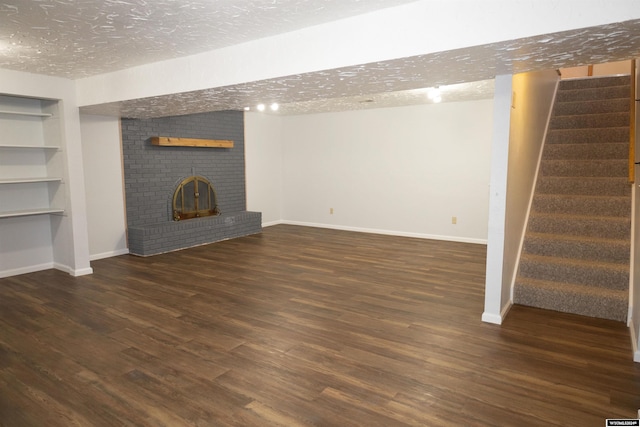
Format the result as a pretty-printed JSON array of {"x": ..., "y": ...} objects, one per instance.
[{"x": 575, "y": 256}]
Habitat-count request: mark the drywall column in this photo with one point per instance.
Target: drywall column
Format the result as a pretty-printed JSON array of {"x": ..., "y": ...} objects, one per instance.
[
  {"x": 495, "y": 303},
  {"x": 263, "y": 163},
  {"x": 104, "y": 185}
]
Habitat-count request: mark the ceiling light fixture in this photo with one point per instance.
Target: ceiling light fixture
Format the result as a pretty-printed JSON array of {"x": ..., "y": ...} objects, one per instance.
[
  {"x": 434, "y": 94},
  {"x": 274, "y": 106},
  {"x": 260, "y": 107}
]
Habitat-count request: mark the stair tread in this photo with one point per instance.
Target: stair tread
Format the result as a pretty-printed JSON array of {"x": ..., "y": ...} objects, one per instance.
[
  {"x": 568, "y": 286},
  {"x": 592, "y": 101},
  {"x": 575, "y": 288},
  {"x": 613, "y": 86},
  {"x": 605, "y": 160},
  {"x": 575, "y": 261},
  {"x": 579, "y": 217},
  {"x": 582, "y": 196},
  {"x": 608, "y": 180},
  {"x": 574, "y": 238},
  {"x": 573, "y": 298},
  {"x": 590, "y": 129}
]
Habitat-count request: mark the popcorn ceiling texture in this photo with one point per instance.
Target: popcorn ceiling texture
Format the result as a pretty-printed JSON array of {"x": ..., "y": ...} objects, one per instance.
[
  {"x": 389, "y": 83},
  {"x": 80, "y": 38}
]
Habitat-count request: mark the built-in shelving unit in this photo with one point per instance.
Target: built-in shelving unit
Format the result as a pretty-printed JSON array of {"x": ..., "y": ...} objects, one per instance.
[
  {"x": 42, "y": 205},
  {"x": 31, "y": 165}
]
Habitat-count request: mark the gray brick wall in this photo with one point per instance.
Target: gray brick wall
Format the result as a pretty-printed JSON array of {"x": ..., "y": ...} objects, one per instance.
[{"x": 152, "y": 173}]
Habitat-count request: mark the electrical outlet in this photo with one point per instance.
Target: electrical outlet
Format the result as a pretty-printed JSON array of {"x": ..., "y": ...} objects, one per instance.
[
  {"x": 330, "y": 211},
  {"x": 454, "y": 220}
]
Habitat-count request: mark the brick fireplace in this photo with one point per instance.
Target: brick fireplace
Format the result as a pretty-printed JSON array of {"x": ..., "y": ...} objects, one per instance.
[{"x": 152, "y": 173}]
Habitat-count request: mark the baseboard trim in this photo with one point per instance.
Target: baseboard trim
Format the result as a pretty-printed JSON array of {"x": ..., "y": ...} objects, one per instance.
[
  {"x": 82, "y": 272},
  {"x": 25, "y": 270},
  {"x": 505, "y": 309},
  {"x": 634, "y": 342},
  {"x": 109, "y": 254},
  {"x": 497, "y": 319},
  {"x": 387, "y": 232},
  {"x": 271, "y": 223},
  {"x": 73, "y": 271}
]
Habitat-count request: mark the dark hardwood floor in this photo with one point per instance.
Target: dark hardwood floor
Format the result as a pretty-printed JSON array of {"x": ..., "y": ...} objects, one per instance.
[{"x": 300, "y": 326}]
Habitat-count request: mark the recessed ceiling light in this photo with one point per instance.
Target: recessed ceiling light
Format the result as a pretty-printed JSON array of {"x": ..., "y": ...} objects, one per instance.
[
  {"x": 274, "y": 106},
  {"x": 247, "y": 108},
  {"x": 435, "y": 94},
  {"x": 260, "y": 107}
]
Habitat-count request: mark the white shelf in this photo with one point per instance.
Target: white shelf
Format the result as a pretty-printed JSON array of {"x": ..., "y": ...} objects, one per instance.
[
  {"x": 31, "y": 212},
  {"x": 31, "y": 170},
  {"x": 28, "y": 180},
  {"x": 29, "y": 147},
  {"x": 23, "y": 113}
]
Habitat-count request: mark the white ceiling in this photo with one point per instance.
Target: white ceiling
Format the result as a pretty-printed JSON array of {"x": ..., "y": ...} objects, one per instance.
[{"x": 81, "y": 38}]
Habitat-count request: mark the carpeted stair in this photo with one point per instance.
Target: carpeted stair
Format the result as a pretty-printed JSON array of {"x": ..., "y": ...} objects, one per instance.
[{"x": 575, "y": 256}]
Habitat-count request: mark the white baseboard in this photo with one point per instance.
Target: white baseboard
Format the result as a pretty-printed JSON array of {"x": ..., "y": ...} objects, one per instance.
[
  {"x": 270, "y": 223},
  {"x": 108, "y": 254},
  {"x": 497, "y": 319},
  {"x": 388, "y": 232},
  {"x": 46, "y": 266},
  {"x": 81, "y": 272},
  {"x": 75, "y": 272},
  {"x": 634, "y": 342},
  {"x": 25, "y": 270}
]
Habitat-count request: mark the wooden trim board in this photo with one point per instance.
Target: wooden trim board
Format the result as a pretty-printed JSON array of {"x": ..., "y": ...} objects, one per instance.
[{"x": 167, "y": 141}]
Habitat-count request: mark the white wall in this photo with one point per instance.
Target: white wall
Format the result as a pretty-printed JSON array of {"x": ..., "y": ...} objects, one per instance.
[
  {"x": 404, "y": 171},
  {"x": 263, "y": 161},
  {"x": 522, "y": 107},
  {"x": 530, "y": 110},
  {"x": 102, "y": 157}
]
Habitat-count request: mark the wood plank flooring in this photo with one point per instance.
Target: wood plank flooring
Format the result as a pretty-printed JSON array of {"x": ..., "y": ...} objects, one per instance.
[{"x": 300, "y": 326}]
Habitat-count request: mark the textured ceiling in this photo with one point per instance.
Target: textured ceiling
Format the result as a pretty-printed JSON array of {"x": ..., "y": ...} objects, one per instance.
[
  {"x": 401, "y": 81},
  {"x": 79, "y": 38}
]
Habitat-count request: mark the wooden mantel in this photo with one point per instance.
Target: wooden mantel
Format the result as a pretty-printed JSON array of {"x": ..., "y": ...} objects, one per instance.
[{"x": 167, "y": 141}]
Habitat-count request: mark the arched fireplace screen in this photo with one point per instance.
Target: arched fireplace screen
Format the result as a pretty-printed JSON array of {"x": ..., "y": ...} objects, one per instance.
[{"x": 194, "y": 197}]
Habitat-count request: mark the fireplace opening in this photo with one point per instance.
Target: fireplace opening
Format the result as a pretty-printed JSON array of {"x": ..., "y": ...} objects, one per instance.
[{"x": 194, "y": 197}]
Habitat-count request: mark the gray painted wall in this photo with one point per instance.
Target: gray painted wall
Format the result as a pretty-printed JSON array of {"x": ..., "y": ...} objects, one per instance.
[{"x": 151, "y": 173}]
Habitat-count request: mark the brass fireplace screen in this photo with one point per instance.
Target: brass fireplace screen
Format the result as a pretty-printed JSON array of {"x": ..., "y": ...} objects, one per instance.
[{"x": 194, "y": 197}]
